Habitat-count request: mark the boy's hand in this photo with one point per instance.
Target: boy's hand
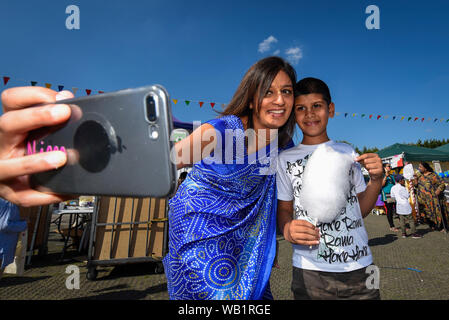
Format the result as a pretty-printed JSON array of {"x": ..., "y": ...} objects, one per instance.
[
  {"x": 372, "y": 163},
  {"x": 303, "y": 232}
]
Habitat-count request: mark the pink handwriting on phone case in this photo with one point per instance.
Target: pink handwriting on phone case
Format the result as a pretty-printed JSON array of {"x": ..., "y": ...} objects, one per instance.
[{"x": 32, "y": 149}]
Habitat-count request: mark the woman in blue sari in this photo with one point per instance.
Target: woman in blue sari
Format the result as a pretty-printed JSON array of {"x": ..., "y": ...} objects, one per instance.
[{"x": 222, "y": 220}]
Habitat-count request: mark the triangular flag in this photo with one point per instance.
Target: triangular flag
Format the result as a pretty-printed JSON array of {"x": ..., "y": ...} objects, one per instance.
[
  {"x": 212, "y": 104},
  {"x": 402, "y": 118},
  {"x": 447, "y": 120},
  {"x": 187, "y": 102},
  {"x": 436, "y": 119},
  {"x": 48, "y": 85},
  {"x": 346, "y": 114},
  {"x": 353, "y": 114},
  {"x": 370, "y": 116},
  {"x": 88, "y": 91},
  {"x": 33, "y": 83},
  {"x": 5, "y": 80},
  {"x": 100, "y": 92},
  {"x": 201, "y": 103},
  {"x": 60, "y": 88},
  {"x": 422, "y": 119},
  {"x": 175, "y": 101},
  {"x": 74, "y": 90},
  {"x": 409, "y": 118},
  {"x": 337, "y": 113},
  {"x": 363, "y": 115},
  {"x": 394, "y": 117},
  {"x": 386, "y": 117},
  {"x": 378, "y": 117},
  {"x": 416, "y": 119}
]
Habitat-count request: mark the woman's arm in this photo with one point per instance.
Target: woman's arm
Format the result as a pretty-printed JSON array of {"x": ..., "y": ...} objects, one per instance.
[{"x": 198, "y": 145}]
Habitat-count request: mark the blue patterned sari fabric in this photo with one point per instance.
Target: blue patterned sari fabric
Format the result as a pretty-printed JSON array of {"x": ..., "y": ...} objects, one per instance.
[{"x": 222, "y": 228}]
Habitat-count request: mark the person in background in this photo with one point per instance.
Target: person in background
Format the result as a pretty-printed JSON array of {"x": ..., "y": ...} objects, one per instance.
[
  {"x": 403, "y": 208},
  {"x": 387, "y": 184},
  {"x": 10, "y": 227},
  {"x": 431, "y": 197}
]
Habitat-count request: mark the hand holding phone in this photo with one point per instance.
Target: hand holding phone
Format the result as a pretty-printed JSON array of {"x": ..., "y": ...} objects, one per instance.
[
  {"x": 117, "y": 144},
  {"x": 18, "y": 119}
]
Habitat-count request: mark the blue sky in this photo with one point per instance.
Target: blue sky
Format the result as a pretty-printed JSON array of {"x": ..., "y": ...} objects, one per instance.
[{"x": 199, "y": 50}]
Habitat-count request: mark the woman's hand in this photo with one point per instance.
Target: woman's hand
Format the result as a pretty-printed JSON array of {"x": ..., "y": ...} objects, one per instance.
[{"x": 18, "y": 119}]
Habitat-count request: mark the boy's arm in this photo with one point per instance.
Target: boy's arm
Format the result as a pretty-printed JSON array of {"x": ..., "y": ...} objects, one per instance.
[
  {"x": 368, "y": 198},
  {"x": 296, "y": 231}
]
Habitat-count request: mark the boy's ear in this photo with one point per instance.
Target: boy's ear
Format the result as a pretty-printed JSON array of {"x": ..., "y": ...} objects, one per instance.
[{"x": 331, "y": 110}]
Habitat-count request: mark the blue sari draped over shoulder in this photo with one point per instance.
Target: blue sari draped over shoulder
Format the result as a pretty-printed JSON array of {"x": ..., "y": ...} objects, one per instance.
[{"x": 222, "y": 225}]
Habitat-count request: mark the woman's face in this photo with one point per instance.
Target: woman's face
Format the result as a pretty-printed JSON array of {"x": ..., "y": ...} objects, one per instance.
[
  {"x": 421, "y": 168},
  {"x": 276, "y": 105}
]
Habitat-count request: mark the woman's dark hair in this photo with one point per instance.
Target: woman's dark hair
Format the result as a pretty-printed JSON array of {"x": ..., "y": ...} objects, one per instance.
[
  {"x": 426, "y": 166},
  {"x": 254, "y": 85}
]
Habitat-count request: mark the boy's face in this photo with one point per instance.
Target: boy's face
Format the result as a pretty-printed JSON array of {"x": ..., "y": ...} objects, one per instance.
[{"x": 312, "y": 114}]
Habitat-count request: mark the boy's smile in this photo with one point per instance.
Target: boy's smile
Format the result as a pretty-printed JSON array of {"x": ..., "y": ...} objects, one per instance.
[{"x": 312, "y": 114}]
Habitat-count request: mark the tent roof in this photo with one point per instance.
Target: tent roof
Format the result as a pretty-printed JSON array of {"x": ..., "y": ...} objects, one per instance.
[
  {"x": 443, "y": 148},
  {"x": 413, "y": 153},
  {"x": 183, "y": 125}
]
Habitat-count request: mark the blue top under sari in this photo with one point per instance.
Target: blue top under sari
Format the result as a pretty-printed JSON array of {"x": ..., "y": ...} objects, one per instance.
[{"x": 222, "y": 226}]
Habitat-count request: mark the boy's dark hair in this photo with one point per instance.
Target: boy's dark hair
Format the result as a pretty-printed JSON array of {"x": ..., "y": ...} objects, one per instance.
[{"x": 313, "y": 85}]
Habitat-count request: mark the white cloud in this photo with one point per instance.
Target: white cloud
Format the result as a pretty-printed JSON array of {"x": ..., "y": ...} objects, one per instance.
[
  {"x": 265, "y": 45},
  {"x": 277, "y": 52},
  {"x": 294, "y": 55}
]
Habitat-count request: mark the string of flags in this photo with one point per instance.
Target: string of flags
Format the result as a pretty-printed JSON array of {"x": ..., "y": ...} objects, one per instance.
[{"x": 372, "y": 116}]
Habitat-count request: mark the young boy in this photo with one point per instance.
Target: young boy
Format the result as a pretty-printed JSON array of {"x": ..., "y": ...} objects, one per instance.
[
  {"x": 403, "y": 208},
  {"x": 329, "y": 260}
]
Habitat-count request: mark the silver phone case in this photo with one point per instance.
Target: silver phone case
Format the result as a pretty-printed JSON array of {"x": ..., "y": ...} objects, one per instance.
[{"x": 112, "y": 147}]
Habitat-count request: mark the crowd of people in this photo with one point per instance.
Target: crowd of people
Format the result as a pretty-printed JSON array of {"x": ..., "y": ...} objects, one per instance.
[{"x": 424, "y": 199}]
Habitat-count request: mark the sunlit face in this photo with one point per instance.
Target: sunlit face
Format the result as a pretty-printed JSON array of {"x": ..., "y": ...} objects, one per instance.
[
  {"x": 276, "y": 105},
  {"x": 312, "y": 114},
  {"x": 421, "y": 168}
]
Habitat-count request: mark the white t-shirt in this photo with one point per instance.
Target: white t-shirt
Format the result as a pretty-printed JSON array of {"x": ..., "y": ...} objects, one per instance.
[
  {"x": 344, "y": 242},
  {"x": 401, "y": 195}
]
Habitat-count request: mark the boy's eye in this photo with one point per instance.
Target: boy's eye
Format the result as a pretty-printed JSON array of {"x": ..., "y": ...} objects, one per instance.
[
  {"x": 300, "y": 108},
  {"x": 317, "y": 105}
]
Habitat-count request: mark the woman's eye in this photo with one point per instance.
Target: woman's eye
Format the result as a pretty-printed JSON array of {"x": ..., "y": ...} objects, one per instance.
[
  {"x": 268, "y": 93},
  {"x": 287, "y": 91}
]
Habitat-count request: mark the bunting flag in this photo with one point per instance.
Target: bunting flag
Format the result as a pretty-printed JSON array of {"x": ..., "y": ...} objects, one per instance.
[{"x": 7, "y": 80}]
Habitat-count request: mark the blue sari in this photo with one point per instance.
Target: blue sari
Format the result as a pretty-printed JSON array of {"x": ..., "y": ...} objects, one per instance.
[{"x": 222, "y": 228}]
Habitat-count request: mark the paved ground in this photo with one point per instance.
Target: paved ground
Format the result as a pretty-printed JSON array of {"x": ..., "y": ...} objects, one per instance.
[{"x": 46, "y": 277}]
